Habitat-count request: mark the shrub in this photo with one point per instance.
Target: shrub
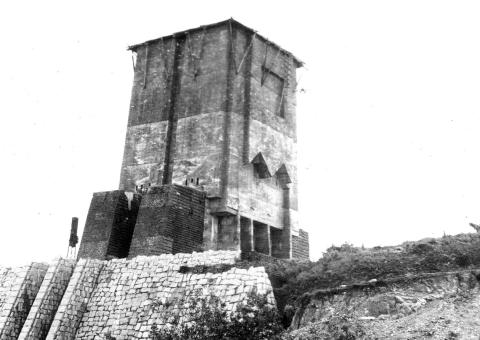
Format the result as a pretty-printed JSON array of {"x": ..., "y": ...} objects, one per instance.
[{"x": 254, "y": 319}]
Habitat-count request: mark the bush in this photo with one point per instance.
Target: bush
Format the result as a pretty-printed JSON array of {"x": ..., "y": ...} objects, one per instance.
[{"x": 208, "y": 319}]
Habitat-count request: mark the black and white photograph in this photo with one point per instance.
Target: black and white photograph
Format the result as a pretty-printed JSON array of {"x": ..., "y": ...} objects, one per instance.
[{"x": 240, "y": 170}]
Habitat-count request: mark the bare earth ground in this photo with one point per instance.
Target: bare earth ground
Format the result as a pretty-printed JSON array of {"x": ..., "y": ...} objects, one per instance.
[{"x": 456, "y": 317}]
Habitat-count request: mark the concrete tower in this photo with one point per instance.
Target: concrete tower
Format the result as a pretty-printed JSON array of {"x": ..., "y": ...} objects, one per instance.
[{"x": 213, "y": 111}]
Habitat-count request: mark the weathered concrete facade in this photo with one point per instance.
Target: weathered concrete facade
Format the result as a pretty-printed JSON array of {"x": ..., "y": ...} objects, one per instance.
[{"x": 213, "y": 109}]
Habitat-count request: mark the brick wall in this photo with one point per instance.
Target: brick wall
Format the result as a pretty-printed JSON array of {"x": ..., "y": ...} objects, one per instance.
[
  {"x": 47, "y": 300},
  {"x": 109, "y": 225},
  {"x": 18, "y": 297},
  {"x": 300, "y": 246},
  {"x": 170, "y": 220}
]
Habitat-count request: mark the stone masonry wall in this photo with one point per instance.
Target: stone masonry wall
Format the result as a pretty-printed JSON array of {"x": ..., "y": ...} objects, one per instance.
[
  {"x": 47, "y": 300},
  {"x": 19, "y": 286},
  {"x": 109, "y": 225},
  {"x": 125, "y": 297},
  {"x": 120, "y": 297},
  {"x": 99, "y": 224},
  {"x": 75, "y": 299},
  {"x": 7, "y": 279}
]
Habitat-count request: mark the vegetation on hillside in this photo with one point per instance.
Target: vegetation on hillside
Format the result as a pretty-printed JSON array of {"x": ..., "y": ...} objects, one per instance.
[
  {"x": 294, "y": 282},
  {"x": 254, "y": 319},
  {"x": 347, "y": 264}
]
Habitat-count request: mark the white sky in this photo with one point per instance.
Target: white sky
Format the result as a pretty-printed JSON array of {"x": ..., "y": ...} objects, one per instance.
[{"x": 388, "y": 126}]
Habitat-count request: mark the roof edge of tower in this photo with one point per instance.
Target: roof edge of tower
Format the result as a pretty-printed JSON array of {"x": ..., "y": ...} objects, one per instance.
[{"x": 220, "y": 23}]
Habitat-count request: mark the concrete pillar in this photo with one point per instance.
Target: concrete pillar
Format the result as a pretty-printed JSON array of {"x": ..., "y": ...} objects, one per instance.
[
  {"x": 286, "y": 232},
  {"x": 252, "y": 240},
  {"x": 269, "y": 240},
  {"x": 237, "y": 232},
  {"x": 246, "y": 234},
  {"x": 262, "y": 238}
]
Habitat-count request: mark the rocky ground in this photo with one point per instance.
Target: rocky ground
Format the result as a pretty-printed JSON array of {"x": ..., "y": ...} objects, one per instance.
[
  {"x": 427, "y": 306},
  {"x": 427, "y": 289},
  {"x": 453, "y": 317}
]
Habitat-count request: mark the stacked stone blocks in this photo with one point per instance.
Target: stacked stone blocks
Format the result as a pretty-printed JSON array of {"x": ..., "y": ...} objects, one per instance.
[
  {"x": 47, "y": 300},
  {"x": 75, "y": 300},
  {"x": 18, "y": 291},
  {"x": 120, "y": 297}
]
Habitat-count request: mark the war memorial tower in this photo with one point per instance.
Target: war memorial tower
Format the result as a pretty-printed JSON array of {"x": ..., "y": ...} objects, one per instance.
[{"x": 210, "y": 158}]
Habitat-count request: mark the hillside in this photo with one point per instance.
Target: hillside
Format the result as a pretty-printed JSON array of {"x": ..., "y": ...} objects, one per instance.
[{"x": 364, "y": 289}]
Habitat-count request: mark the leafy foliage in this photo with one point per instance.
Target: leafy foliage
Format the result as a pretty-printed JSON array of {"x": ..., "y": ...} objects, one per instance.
[{"x": 254, "y": 319}]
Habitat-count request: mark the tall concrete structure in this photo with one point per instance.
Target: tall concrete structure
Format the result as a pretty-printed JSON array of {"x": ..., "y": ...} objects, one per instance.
[{"x": 210, "y": 151}]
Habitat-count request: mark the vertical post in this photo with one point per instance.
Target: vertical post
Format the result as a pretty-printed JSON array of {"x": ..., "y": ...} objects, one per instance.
[
  {"x": 146, "y": 68},
  {"x": 237, "y": 233},
  {"x": 287, "y": 231},
  {"x": 252, "y": 243},
  {"x": 175, "y": 83},
  {"x": 247, "y": 75},
  {"x": 213, "y": 226},
  {"x": 269, "y": 241},
  {"x": 227, "y": 122}
]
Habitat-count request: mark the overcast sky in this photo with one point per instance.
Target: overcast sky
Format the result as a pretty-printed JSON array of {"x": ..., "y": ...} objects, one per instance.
[{"x": 388, "y": 123}]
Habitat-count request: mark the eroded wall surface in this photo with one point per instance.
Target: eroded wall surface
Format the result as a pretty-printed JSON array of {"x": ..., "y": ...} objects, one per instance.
[
  {"x": 204, "y": 103},
  {"x": 177, "y": 111},
  {"x": 442, "y": 305}
]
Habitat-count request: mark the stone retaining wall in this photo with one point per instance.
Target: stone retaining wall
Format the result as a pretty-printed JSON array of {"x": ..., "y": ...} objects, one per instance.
[
  {"x": 121, "y": 297},
  {"x": 75, "y": 300},
  {"x": 47, "y": 300},
  {"x": 17, "y": 293},
  {"x": 132, "y": 295}
]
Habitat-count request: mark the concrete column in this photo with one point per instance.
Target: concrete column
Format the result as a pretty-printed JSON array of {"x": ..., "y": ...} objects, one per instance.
[
  {"x": 246, "y": 234},
  {"x": 252, "y": 240},
  {"x": 237, "y": 233},
  {"x": 269, "y": 240},
  {"x": 261, "y": 238},
  {"x": 287, "y": 232}
]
